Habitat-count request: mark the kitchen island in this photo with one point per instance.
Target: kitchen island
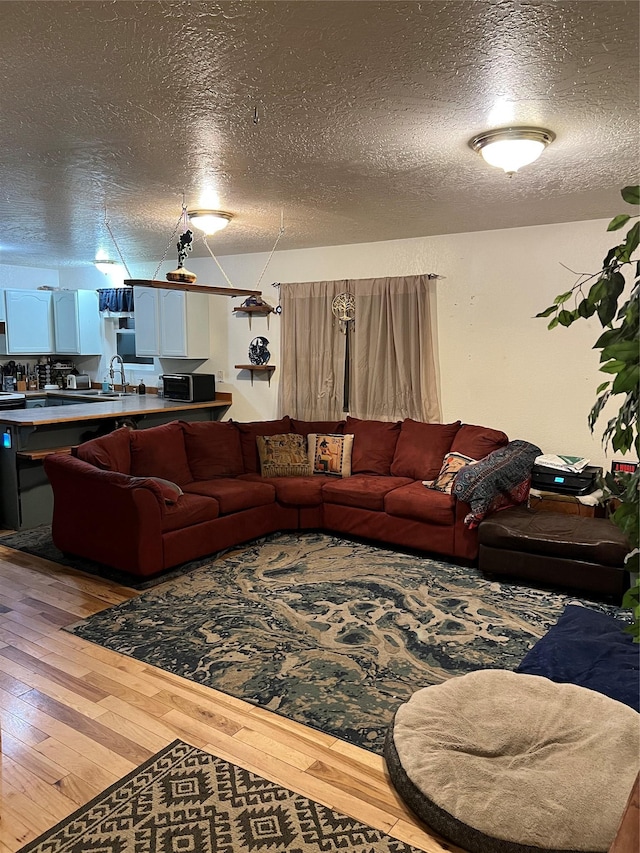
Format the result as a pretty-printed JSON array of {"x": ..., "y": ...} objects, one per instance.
[{"x": 28, "y": 435}]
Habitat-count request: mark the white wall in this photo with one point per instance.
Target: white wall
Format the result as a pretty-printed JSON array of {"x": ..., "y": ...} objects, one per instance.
[{"x": 498, "y": 365}]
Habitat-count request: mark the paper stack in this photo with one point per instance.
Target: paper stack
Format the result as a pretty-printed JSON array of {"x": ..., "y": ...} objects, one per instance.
[{"x": 572, "y": 464}]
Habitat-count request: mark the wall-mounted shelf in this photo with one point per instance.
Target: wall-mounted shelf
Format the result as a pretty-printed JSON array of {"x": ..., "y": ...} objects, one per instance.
[
  {"x": 196, "y": 288},
  {"x": 253, "y": 309},
  {"x": 259, "y": 368}
]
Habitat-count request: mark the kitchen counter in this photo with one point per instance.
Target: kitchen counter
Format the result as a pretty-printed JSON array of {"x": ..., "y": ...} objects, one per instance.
[
  {"x": 28, "y": 435},
  {"x": 121, "y": 407}
]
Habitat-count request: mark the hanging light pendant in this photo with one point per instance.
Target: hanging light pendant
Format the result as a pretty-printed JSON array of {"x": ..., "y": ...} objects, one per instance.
[{"x": 511, "y": 148}]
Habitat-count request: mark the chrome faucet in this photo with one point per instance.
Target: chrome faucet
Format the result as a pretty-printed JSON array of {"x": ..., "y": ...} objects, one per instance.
[{"x": 123, "y": 379}]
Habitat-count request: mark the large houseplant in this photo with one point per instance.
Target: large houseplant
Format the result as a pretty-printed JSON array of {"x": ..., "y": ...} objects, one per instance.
[{"x": 599, "y": 295}]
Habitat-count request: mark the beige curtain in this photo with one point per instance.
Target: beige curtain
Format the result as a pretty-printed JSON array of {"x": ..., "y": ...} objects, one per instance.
[
  {"x": 311, "y": 352},
  {"x": 393, "y": 373},
  {"x": 392, "y": 366}
]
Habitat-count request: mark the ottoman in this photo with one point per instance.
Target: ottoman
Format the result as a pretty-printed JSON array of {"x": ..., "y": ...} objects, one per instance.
[{"x": 568, "y": 550}]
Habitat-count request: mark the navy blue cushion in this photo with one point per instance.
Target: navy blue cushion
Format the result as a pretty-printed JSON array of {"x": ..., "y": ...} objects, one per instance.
[{"x": 590, "y": 649}]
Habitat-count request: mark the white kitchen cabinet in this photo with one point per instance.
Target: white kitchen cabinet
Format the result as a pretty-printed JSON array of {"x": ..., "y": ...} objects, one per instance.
[
  {"x": 76, "y": 321},
  {"x": 171, "y": 323},
  {"x": 28, "y": 322}
]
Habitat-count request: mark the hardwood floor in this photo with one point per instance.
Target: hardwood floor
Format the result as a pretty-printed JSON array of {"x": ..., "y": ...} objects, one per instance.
[{"x": 76, "y": 717}]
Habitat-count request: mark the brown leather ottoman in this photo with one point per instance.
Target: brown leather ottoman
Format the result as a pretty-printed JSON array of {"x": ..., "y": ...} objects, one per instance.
[{"x": 568, "y": 550}]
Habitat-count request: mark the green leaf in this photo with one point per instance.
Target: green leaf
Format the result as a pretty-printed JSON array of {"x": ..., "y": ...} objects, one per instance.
[
  {"x": 553, "y": 323},
  {"x": 633, "y": 240},
  {"x": 563, "y": 297},
  {"x": 565, "y": 318},
  {"x": 624, "y": 350},
  {"x": 601, "y": 387},
  {"x": 548, "y": 311},
  {"x": 607, "y": 309},
  {"x": 613, "y": 366},
  {"x": 618, "y": 222},
  {"x": 631, "y": 194},
  {"x": 626, "y": 380},
  {"x": 585, "y": 309},
  {"x": 597, "y": 290}
]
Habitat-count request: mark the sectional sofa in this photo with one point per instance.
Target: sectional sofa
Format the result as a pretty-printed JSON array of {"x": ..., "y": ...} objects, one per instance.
[{"x": 144, "y": 500}]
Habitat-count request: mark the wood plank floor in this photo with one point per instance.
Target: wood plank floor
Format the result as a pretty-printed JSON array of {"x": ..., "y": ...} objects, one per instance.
[{"x": 76, "y": 717}]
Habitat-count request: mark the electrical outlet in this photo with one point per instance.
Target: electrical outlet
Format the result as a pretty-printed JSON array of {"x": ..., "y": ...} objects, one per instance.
[{"x": 220, "y": 376}]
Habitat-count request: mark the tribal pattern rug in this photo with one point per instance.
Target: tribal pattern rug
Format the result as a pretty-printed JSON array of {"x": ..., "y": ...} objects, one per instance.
[
  {"x": 328, "y": 632},
  {"x": 183, "y": 799}
]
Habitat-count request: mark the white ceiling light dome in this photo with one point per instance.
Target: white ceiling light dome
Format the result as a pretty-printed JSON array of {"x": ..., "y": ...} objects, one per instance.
[
  {"x": 511, "y": 148},
  {"x": 209, "y": 221}
]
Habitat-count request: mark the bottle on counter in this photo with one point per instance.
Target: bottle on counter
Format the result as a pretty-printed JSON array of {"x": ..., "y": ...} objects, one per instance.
[
  {"x": 142, "y": 388},
  {"x": 160, "y": 387}
]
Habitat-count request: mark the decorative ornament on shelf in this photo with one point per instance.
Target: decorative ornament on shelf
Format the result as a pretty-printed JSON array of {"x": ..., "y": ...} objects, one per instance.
[
  {"x": 184, "y": 246},
  {"x": 258, "y": 352}
]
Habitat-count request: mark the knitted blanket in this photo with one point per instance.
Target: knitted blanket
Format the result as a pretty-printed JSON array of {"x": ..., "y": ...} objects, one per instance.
[{"x": 500, "y": 480}]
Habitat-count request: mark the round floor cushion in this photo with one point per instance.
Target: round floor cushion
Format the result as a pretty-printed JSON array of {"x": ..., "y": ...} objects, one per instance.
[{"x": 500, "y": 762}]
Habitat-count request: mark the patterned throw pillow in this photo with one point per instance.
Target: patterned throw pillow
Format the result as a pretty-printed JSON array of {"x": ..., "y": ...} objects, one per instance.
[
  {"x": 283, "y": 455},
  {"x": 330, "y": 453},
  {"x": 452, "y": 463}
]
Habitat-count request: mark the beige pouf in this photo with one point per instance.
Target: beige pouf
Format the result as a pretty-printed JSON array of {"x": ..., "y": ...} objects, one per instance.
[{"x": 500, "y": 762}]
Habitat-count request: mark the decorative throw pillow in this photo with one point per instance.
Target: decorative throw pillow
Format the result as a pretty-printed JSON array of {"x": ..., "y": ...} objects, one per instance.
[
  {"x": 330, "y": 453},
  {"x": 283, "y": 455},
  {"x": 451, "y": 464}
]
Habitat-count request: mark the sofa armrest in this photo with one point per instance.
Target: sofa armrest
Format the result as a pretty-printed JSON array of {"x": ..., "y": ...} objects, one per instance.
[{"x": 106, "y": 516}]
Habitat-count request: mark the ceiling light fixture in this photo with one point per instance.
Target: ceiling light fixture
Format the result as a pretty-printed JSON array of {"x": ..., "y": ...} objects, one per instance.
[
  {"x": 105, "y": 266},
  {"x": 209, "y": 221},
  {"x": 511, "y": 148}
]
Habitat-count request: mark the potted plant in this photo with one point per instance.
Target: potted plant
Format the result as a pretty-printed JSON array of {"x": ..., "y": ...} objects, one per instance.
[{"x": 600, "y": 294}]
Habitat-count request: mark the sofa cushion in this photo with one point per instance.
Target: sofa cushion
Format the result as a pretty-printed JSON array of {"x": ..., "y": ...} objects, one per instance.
[
  {"x": 452, "y": 463},
  {"x": 234, "y": 495},
  {"x": 170, "y": 491},
  {"x": 418, "y": 503},
  {"x": 295, "y": 491},
  {"x": 364, "y": 491},
  {"x": 374, "y": 443},
  {"x": 305, "y": 427},
  {"x": 110, "y": 452},
  {"x": 213, "y": 449},
  {"x": 477, "y": 441},
  {"x": 421, "y": 449},
  {"x": 330, "y": 454},
  {"x": 283, "y": 455},
  {"x": 248, "y": 433},
  {"x": 160, "y": 452},
  {"x": 189, "y": 510}
]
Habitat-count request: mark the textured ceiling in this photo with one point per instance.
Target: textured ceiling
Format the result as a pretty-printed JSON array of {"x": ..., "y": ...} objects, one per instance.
[{"x": 351, "y": 117}]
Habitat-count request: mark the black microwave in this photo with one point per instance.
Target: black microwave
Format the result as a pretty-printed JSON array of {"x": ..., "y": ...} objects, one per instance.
[{"x": 189, "y": 387}]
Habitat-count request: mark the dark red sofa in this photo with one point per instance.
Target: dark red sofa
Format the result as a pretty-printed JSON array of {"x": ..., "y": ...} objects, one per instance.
[{"x": 110, "y": 506}]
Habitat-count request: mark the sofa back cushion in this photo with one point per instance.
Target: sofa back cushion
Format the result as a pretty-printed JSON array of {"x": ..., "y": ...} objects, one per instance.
[
  {"x": 248, "y": 433},
  {"x": 306, "y": 427},
  {"x": 160, "y": 452},
  {"x": 374, "y": 443},
  {"x": 478, "y": 441},
  {"x": 421, "y": 449},
  {"x": 213, "y": 449},
  {"x": 109, "y": 452}
]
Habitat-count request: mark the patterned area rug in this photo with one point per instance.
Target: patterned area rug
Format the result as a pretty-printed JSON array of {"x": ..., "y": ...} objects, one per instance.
[
  {"x": 328, "y": 632},
  {"x": 183, "y": 799}
]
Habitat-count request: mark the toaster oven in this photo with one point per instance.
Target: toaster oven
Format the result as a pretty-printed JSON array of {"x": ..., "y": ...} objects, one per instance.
[{"x": 189, "y": 387}]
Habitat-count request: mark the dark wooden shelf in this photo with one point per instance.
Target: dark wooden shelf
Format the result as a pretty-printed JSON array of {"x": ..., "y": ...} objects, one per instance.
[
  {"x": 253, "y": 309},
  {"x": 260, "y": 368},
  {"x": 193, "y": 287}
]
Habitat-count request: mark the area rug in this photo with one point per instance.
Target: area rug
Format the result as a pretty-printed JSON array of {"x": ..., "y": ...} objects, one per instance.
[
  {"x": 331, "y": 633},
  {"x": 38, "y": 541},
  {"x": 183, "y": 799}
]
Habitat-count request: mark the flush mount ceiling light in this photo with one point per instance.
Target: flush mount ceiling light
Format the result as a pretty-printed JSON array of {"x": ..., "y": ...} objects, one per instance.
[
  {"x": 105, "y": 266},
  {"x": 209, "y": 221},
  {"x": 511, "y": 148}
]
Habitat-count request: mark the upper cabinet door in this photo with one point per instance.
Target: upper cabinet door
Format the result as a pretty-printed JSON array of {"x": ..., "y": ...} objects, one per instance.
[
  {"x": 29, "y": 322},
  {"x": 77, "y": 322},
  {"x": 173, "y": 323},
  {"x": 147, "y": 319}
]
